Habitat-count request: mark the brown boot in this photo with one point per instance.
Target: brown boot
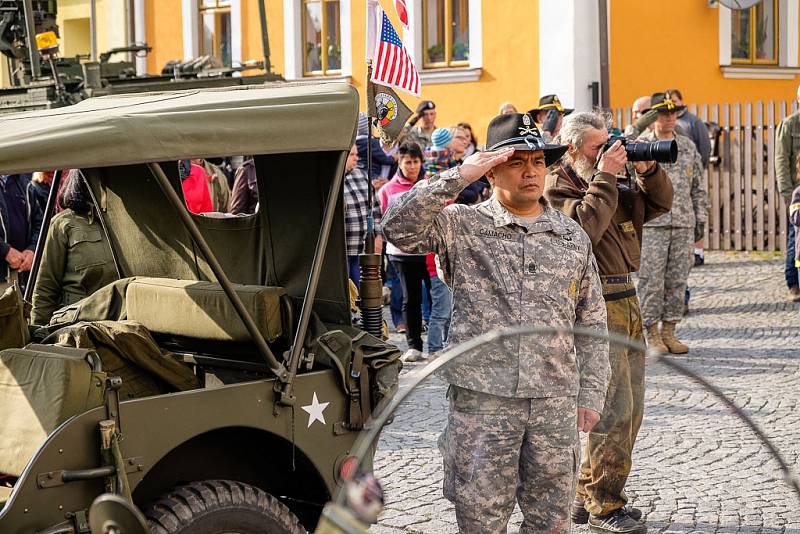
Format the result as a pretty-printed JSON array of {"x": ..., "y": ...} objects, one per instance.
[
  {"x": 669, "y": 339},
  {"x": 654, "y": 341}
]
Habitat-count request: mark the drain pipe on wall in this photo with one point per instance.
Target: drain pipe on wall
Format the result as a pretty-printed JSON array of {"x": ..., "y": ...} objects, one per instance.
[{"x": 139, "y": 36}]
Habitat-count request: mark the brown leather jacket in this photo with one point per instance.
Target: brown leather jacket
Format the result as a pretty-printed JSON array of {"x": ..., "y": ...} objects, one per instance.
[{"x": 611, "y": 213}]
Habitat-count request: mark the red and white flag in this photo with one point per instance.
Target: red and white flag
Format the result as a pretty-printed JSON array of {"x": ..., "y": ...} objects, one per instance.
[
  {"x": 392, "y": 63},
  {"x": 402, "y": 11}
]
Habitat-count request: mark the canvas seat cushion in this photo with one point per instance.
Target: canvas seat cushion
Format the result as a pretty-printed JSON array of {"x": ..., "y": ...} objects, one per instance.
[{"x": 202, "y": 309}]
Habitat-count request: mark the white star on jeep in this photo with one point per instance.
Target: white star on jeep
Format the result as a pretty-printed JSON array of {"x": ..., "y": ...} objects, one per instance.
[{"x": 315, "y": 410}]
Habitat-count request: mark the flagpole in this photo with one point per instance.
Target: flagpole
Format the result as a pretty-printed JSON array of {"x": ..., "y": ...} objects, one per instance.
[
  {"x": 369, "y": 243},
  {"x": 370, "y": 289}
]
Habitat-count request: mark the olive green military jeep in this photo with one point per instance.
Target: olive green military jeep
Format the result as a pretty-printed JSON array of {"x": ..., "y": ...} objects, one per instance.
[{"x": 219, "y": 383}]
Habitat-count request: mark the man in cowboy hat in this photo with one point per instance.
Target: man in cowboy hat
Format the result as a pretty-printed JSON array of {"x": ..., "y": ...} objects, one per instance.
[
  {"x": 667, "y": 240},
  {"x": 516, "y": 405},
  {"x": 612, "y": 210},
  {"x": 550, "y": 115}
]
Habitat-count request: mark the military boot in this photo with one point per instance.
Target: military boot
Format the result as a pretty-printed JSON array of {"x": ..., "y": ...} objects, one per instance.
[
  {"x": 668, "y": 338},
  {"x": 654, "y": 341}
]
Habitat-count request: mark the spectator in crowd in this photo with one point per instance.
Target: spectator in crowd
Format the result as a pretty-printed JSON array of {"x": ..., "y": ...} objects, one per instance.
[
  {"x": 794, "y": 218},
  {"x": 550, "y": 115},
  {"x": 460, "y": 143},
  {"x": 507, "y": 107},
  {"x": 218, "y": 187},
  {"x": 473, "y": 141},
  {"x": 195, "y": 187},
  {"x": 692, "y": 127},
  {"x": 611, "y": 211},
  {"x": 411, "y": 267},
  {"x": 515, "y": 407},
  {"x": 20, "y": 223},
  {"x": 41, "y": 186},
  {"x": 76, "y": 259},
  {"x": 438, "y": 155},
  {"x": 356, "y": 212},
  {"x": 642, "y": 118},
  {"x": 667, "y": 240},
  {"x": 244, "y": 197},
  {"x": 787, "y": 149},
  {"x": 379, "y": 156},
  {"x": 420, "y": 133}
]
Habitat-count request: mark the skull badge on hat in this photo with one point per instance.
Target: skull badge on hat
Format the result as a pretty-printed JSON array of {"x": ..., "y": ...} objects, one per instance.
[{"x": 519, "y": 131}]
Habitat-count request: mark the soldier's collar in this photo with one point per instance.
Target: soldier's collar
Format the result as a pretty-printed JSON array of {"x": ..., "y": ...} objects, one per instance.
[{"x": 502, "y": 217}]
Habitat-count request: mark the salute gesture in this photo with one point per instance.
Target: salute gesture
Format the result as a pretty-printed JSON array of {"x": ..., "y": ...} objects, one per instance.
[{"x": 479, "y": 163}]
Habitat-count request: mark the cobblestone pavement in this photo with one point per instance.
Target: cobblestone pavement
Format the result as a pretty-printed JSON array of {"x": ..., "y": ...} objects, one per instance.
[{"x": 696, "y": 467}]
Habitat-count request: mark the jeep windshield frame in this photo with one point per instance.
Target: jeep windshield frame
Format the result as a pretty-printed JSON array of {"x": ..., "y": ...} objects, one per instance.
[{"x": 110, "y": 137}]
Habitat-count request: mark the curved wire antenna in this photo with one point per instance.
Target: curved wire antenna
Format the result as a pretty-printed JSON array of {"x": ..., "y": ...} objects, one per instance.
[{"x": 368, "y": 437}]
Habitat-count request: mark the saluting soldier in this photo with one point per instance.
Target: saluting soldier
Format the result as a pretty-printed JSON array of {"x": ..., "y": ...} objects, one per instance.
[
  {"x": 667, "y": 240},
  {"x": 612, "y": 211},
  {"x": 515, "y": 408},
  {"x": 549, "y": 115}
]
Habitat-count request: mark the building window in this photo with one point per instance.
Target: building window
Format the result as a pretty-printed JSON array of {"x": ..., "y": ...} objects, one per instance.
[
  {"x": 754, "y": 34},
  {"x": 322, "y": 37},
  {"x": 445, "y": 33},
  {"x": 215, "y": 30}
]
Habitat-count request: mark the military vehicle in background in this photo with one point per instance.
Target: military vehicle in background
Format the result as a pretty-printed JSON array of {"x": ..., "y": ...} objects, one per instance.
[
  {"x": 220, "y": 384},
  {"x": 41, "y": 79}
]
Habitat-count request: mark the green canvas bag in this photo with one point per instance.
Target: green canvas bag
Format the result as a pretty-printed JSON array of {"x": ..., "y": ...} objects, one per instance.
[{"x": 13, "y": 327}]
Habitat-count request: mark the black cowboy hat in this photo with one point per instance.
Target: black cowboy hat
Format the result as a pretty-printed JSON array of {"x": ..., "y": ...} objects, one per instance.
[
  {"x": 548, "y": 102},
  {"x": 518, "y": 130},
  {"x": 663, "y": 103}
]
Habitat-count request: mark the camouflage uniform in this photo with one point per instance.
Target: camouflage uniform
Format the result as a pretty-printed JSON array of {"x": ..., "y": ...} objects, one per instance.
[
  {"x": 513, "y": 405},
  {"x": 667, "y": 240}
]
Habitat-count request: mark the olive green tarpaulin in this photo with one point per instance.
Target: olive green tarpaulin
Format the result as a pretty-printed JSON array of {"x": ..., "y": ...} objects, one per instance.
[
  {"x": 126, "y": 129},
  {"x": 299, "y": 135}
]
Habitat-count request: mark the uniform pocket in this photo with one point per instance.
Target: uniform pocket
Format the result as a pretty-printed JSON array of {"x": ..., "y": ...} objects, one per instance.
[
  {"x": 86, "y": 249},
  {"x": 506, "y": 264}
]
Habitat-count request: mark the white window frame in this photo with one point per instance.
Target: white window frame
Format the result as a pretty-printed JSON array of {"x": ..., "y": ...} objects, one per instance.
[
  {"x": 293, "y": 36},
  {"x": 190, "y": 10},
  {"x": 412, "y": 38},
  {"x": 787, "y": 67}
]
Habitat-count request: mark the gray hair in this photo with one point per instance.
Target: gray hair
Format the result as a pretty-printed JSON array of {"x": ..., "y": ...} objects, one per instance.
[{"x": 577, "y": 124}]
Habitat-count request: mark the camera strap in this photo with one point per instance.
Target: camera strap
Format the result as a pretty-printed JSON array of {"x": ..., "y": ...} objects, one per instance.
[{"x": 573, "y": 177}]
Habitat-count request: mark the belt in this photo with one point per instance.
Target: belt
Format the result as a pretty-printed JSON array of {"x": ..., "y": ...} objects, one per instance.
[
  {"x": 616, "y": 279},
  {"x": 619, "y": 295}
]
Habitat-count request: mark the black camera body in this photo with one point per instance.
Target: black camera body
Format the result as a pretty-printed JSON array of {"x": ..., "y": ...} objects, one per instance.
[{"x": 660, "y": 151}]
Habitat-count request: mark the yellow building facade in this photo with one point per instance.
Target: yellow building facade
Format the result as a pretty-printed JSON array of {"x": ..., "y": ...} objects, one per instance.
[
  {"x": 692, "y": 45},
  {"x": 474, "y": 55}
]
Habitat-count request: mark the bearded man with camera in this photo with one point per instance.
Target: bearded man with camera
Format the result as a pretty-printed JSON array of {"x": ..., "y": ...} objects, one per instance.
[{"x": 588, "y": 185}]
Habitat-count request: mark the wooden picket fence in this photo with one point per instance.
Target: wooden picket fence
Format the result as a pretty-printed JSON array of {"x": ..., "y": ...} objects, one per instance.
[{"x": 745, "y": 210}]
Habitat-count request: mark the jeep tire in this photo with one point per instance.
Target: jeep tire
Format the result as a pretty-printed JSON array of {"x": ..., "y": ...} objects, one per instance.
[{"x": 213, "y": 506}]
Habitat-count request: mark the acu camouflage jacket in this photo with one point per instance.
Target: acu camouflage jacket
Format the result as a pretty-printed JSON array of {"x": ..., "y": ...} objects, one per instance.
[
  {"x": 504, "y": 273},
  {"x": 690, "y": 194}
]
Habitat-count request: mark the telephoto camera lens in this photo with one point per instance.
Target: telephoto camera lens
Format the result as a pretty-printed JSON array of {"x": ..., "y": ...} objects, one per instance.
[{"x": 660, "y": 151}]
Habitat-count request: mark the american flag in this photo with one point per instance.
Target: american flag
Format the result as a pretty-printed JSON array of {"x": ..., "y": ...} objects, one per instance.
[{"x": 393, "y": 66}]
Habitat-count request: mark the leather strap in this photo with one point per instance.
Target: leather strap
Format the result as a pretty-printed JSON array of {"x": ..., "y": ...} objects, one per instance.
[{"x": 619, "y": 295}]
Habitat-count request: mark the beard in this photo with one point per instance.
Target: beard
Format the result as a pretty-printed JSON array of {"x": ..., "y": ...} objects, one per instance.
[{"x": 583, "y": 166}]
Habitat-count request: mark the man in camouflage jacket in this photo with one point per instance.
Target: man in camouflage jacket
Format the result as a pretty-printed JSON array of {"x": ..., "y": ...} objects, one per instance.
[
  {"x": 515, "y": 407},
  {"x": 667, "y": 240}
]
